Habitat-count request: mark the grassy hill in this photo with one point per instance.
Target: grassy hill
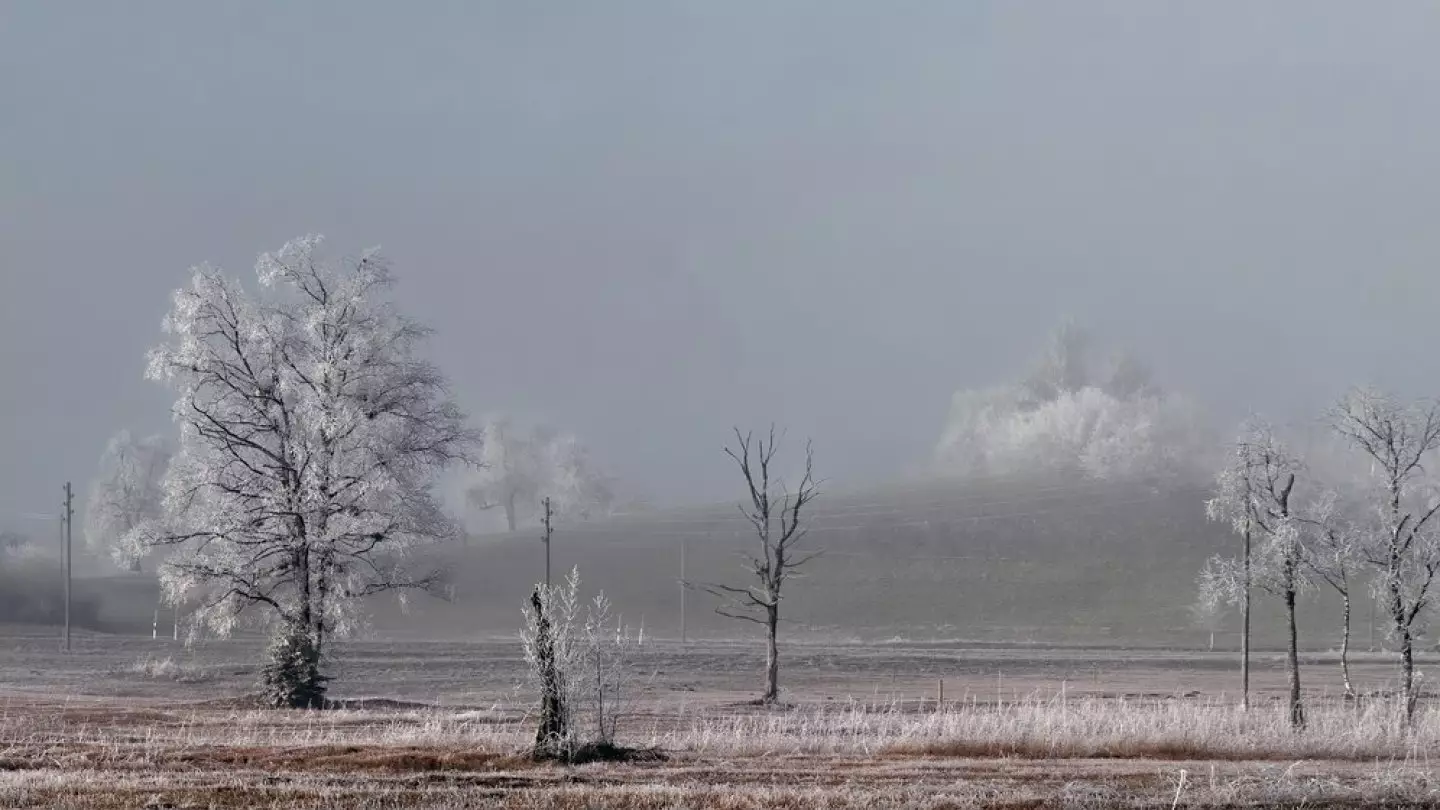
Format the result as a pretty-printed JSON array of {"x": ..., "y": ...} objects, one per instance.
[
  {"x": 1054, "y": 561},
  {"x": 1051, "y": 561}
]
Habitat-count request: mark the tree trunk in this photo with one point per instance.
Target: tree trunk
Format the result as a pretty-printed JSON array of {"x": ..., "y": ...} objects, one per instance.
[
  {"x": 302, "y": 574},
  {"x": 1403, "y": 635},
  {"x": 1297, "y": 709},
  {"x": 1245, "y": 632},
  {"x": 1407, "y": 673},
  {"x": 1397, "y": 608},
  {"x": 1345, "y": 647},
  {"x": 772, "y": 656},
  {"x": 551, "y": 736},
  {"x": 510, "y": 511}
]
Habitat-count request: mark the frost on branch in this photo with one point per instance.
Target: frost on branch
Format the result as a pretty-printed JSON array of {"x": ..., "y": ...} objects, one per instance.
[{"x": 310, "y": 433}]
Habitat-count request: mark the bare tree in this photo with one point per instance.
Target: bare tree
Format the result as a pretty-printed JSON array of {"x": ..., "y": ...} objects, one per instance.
[
  {"x": 1402, "y": 545},
  {"x": 779, "y": 516}
]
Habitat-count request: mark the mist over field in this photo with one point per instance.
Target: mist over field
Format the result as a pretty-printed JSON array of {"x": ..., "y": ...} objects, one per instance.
[
  {"x": 643, "y": 227},
  {"x": 646, "y": 225},
  {"x": 822, "y": 404}
]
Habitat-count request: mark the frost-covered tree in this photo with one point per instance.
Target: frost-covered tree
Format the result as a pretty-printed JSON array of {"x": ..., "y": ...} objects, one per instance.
[
  {"x": 1401, "y": 542},
  {"x": 126, "y": 494},
  {"x": 509, "y": 475},
  {"x": 1128, "y": 378},
  {"x": 310, "y": 433},
  {"x": 13, "y": 543},
  {"x": 1208, "y": 611},
  {"x": 577, "y": 487},
  {"x": 1255, "y": 494},
  {"x": 1227, "y": 582},
  {"x": 1333, "y": 557},
  {"x": 1062, "y": 417},
  {"x": 520, "y": 468},
  {"x": 1280, "y": 556},
  {"x": 1064, "y": 365},
  {"x": 779, "y": 516}
]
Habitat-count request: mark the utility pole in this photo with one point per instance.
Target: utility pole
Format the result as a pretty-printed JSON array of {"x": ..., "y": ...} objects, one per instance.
[
  {"x": 683, "y": 639},
  {"x": 69, "y": 538},
  {"x": 549, "y": 532}
]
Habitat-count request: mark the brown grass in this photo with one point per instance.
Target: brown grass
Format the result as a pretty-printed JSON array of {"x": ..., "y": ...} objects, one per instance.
[
  {"x": 1087, "y": 753},
  {"x": 745, "y": 784}
]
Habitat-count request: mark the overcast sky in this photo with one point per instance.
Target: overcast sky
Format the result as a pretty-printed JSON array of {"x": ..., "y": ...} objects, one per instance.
[{"x": 646, "y": 222}]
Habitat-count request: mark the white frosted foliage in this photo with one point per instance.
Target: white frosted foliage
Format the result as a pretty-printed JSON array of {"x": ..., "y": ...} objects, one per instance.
[{"x": 310, "y": 433}]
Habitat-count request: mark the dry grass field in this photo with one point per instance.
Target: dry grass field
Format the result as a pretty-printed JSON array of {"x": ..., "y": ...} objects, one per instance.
[{"x": 127, "y": 722}]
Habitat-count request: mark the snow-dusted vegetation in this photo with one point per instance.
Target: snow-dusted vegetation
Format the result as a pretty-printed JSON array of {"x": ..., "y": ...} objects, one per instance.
[{"x": 1107, "y": 420}]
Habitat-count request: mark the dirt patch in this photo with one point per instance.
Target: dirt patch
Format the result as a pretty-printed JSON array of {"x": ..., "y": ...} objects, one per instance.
[
  {"x": 377, "y": 704},
  {"x": 348, "y": 759}
]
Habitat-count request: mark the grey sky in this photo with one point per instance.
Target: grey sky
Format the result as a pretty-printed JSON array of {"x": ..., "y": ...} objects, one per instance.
[{"x": 648, "y": 221}]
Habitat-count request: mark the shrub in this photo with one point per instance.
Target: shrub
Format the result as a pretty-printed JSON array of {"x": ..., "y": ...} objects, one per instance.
[
  {"x": 291, "y": 678},
  {"x": 578, "y": 664}
]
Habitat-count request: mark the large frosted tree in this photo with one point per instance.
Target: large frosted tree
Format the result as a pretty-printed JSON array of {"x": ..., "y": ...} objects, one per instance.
[
  {"x": 310, "y": 433},
  {"x": 126, "y": 494}
]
